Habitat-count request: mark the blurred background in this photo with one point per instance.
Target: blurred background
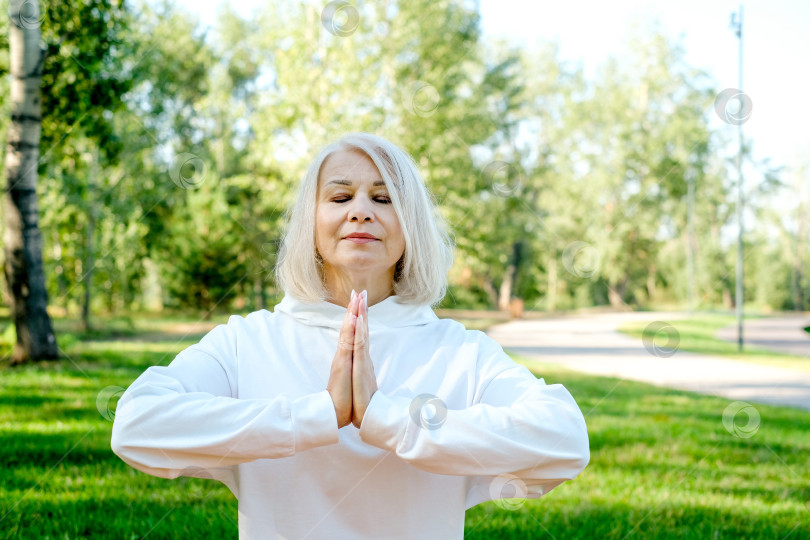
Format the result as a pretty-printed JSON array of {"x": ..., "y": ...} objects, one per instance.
[
  {"x": 585, "y": 156},
  {"x": 576, "y": 151}
]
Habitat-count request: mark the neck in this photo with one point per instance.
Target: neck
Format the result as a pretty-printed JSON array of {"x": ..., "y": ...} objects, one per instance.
[{"x": 340, "y": 286}]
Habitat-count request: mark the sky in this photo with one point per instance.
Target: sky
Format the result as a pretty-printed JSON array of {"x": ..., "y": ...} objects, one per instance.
[{"x": 776, "y": 40}]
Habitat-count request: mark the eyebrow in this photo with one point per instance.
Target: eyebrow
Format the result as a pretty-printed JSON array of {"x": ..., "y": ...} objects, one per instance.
[{"x": 344, "y": 182}]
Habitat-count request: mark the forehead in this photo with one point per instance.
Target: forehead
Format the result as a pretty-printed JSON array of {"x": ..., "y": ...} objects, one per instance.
[{"x": 346, "y": 167}]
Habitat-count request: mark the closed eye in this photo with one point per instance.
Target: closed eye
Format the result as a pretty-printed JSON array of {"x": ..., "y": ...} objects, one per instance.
[{"x": 381, "y": 199}]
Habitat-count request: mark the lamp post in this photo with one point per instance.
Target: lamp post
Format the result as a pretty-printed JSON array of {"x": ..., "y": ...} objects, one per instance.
[{"x": 737, "y": 26}]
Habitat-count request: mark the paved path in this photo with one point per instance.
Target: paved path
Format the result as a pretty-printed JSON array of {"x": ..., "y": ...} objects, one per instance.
[
  {"x": 591, "y": 344},
  {"x": 780, "y": 334}
]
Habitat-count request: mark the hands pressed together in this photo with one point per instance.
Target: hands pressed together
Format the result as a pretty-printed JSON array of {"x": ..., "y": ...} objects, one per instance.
[{"x": 352, "y": 381}]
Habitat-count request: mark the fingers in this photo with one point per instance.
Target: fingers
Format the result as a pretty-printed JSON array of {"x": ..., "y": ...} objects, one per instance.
[
  {"x": 340, "y": 380},
  {"x": 361, "y": 327},
  {"x": 364, "y": 381},
  {"x": 347, "y": 331}
]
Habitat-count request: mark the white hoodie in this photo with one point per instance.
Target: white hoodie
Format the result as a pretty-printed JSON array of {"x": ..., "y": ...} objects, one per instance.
[{"x": 455, "y": 422}]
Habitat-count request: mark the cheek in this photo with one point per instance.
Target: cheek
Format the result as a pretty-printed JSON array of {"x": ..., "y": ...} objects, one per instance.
[
  {"x": 321, "y": 217},
  {"x": 325, "y": 225},
  {"x": 321, "y": 230}
]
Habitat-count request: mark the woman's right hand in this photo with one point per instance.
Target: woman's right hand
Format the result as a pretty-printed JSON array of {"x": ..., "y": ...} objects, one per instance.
[{"x": 340, "y": 376}]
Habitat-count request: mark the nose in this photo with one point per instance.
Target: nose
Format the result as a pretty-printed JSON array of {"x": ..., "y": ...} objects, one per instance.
[{"x": 360, "y": 209}]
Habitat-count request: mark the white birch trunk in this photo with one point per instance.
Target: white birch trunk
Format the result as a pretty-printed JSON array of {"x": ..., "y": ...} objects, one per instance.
[{"x": 23, "y": 241}]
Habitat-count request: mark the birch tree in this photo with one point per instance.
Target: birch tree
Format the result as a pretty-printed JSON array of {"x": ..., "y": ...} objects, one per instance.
[{"x": 23, "y": 241}]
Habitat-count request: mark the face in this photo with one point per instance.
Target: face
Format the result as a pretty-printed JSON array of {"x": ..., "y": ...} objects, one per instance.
[{"x": 352, "y": 198}]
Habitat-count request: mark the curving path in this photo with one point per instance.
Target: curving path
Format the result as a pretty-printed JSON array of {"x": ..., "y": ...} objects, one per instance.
[
  {"x": 781, "y": 334},
  {"x": 591, "y": 344}
]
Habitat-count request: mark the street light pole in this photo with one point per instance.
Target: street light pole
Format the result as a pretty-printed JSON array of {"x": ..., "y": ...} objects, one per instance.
[
  {"x": 737, "y": 26},
  {"x": 690, "y": 240}
]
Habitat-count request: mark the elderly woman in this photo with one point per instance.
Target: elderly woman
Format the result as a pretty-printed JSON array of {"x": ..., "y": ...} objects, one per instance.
[{"x": 352, "y": 411}]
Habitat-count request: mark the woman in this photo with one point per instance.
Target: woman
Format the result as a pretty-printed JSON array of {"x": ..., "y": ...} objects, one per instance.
[{"x": 346, "y": 415}]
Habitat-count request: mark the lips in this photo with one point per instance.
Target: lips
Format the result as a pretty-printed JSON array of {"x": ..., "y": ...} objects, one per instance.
[{"x": 362, "y": 235}]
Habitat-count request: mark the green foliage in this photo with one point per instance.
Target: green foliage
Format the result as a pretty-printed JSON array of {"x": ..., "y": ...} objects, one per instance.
[
  {"x": 84, "y": 76},
  {"x": 562, "y": 190},
  {"x": 202, "y": 257},
  {"x": 662, "y": 463}
]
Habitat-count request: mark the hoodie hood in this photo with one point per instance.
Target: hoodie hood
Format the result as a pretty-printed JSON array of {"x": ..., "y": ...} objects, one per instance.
[{"x": 390, "y": 312}]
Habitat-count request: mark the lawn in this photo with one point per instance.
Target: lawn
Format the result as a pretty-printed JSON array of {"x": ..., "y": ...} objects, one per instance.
[
  {"x": 697, "y": 334},
  {"x": 663, "y": 464}
]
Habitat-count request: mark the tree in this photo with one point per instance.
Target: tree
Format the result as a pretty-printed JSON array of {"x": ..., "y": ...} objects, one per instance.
[
  {"x": 23, "y": 241},
  {"x": 87, "y": 70},
  {"x": 643, "y": 134}
]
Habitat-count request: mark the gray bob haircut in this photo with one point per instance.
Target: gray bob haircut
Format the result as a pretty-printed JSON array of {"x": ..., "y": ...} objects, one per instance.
[{"x": 420, "y": 275}]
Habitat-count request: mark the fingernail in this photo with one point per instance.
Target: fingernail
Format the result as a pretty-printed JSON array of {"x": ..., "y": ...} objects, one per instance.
[
  {"x": 353, "y": 294},
  {"x": 365, "y": 295}
]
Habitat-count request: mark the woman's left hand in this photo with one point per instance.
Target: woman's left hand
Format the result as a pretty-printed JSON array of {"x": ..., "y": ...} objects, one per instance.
[{"x": 364, "y": 382}]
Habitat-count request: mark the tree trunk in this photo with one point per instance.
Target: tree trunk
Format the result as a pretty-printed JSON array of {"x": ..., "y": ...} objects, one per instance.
[
  {"x": 798, "y": 258},
  {"x": 90, "y": 245},
  {"x": 23, "y": 266},
  {"x": 60, "y": 275},
  {"x": 489, "y": 287},
  {"x": 510, "y": 277},
  {"x": 651, "y": 287},
  {"x": 798, "y": 299},
  {"x": 616, "y": 293},
  {"x": 152, "y": 291},
  {"x": 551, "y": 293},
  {"x": 728, "y": 300},
  {"x": 505, "y": 291},
  {"x": 258, "y": 291}
]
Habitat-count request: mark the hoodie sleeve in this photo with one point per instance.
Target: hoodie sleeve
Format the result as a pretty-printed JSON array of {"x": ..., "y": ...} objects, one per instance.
[
  {"x": 518, "y": 431},
  {"x": 183, "y": 419}
]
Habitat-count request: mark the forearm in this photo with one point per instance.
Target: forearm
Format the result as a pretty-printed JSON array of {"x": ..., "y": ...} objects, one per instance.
[
  {"x": 161, "y": 429},
  {"x": 543, "y": 437}
]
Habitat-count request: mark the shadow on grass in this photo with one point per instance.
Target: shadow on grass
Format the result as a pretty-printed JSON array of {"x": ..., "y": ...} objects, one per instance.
[
  {"x": 74, "y": 514},
  {"x": 663, "y": 465}
]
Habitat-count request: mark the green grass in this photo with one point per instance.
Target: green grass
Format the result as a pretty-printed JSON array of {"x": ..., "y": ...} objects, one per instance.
[
  {"x": 697, "y": 334},
  {"x": 662, "y": 464}
]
